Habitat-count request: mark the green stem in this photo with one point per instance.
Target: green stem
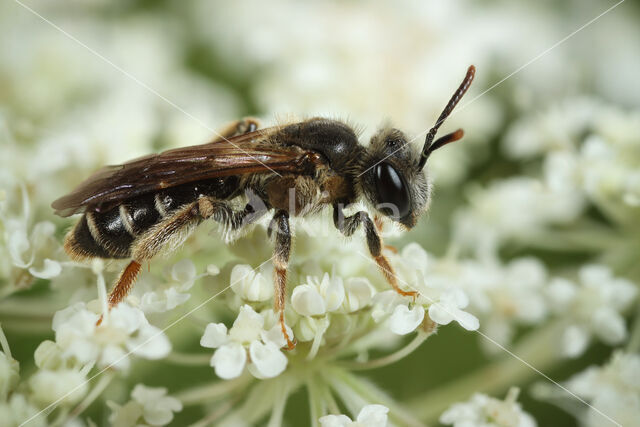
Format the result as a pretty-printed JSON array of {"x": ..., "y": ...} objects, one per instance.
[
  {"x": 494, "y": 378},
  {"x": 277, "y": 412},
  {"x": 188, "y": 359},
  {"x": 4, "y": 343},
  {"x": 633, "y": 346},
  {"x": 210, "y": 419},
  {"x": 329, "y": 399},
  {"x": 211, "y": 392},
  {"x": 389, "y": 359},
  {"x": 102, "y": 384},
  {"x": 370, "y": 393},
  {"x": 317, "y": 405}
]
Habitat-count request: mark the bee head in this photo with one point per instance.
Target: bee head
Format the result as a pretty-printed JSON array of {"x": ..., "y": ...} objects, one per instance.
[
  {"x": 392, "y": 182},
  {"x": 393, "y": 179}
]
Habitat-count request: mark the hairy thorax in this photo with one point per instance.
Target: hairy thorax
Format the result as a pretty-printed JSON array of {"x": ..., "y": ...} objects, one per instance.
[{"x": 304, "y": 195}]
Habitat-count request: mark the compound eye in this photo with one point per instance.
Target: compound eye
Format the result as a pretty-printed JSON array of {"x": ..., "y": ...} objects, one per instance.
[{"x": 393, "y": 192}]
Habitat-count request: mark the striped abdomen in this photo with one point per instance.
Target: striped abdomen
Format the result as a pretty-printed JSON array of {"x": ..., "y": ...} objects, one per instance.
[{"x": 112, "y": 233}]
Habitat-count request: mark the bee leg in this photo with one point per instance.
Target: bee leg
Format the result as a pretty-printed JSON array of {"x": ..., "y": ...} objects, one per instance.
[
  {"x": 379, "y": 225},
  {"x": 236, "y": 219},
  {"x": 123, "y": 286},
  {"x": 247, "y": 125},
  {"x": 348, "y": 226},
  {"x": 149, "y": 244},
  {"x": 172, "y": 229},
  {"x": 282, "y": 251},
  {"x": 238, "y": 127}
]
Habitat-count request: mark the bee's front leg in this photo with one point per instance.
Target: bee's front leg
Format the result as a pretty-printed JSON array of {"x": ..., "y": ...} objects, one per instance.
[
  {"x": 348, "y": 225},
  {"x": 282, "y": 250}
]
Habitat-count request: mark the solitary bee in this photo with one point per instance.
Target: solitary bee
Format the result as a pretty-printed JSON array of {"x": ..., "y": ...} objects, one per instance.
[{"x": 133, "y": 210}]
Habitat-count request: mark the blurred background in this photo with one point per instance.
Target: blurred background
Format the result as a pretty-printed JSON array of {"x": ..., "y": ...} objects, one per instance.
[{"x": 549, "y": 168}]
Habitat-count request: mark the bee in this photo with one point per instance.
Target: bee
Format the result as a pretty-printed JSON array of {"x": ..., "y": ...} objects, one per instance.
[{"x": 134, "y": 210}]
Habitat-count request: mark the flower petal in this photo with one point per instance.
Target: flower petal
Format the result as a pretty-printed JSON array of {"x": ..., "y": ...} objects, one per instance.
[
  {"x": 267, "y": 358},
  {"x": 229, "y": 360},
  {"x": 332, "y": 290},
  {"x": 247, "y": 326},
  {"x": 307, "y": 301},
  {"x": 49, "y": 269},
  {"x": 440, "y": 313},
  {"x": 335, "y": 421},
  {"x": 358, "y": 294},
  {"x": 184, "y": 272},
  {"x": 215, "y": 335},
  {"x": 405, "y": 320},
  {"x": 373, "y": 415},
  {"x": 467, "y": 320},
  {"x": 150, "y": 343}
]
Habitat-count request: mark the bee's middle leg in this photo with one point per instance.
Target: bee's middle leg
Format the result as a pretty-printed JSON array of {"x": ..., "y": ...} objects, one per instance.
[
  {"x": 348, "y": 225},
  {"x": 282, "y": 251}
]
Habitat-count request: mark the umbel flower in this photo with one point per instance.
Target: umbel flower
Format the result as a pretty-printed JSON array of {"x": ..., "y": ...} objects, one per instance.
[{"x": 485, "y": 411}]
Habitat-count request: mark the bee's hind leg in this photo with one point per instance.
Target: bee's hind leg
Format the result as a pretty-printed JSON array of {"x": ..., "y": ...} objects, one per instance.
[
  {"x": 282, "y": 251},
  {"x": 238, "y": 127}
]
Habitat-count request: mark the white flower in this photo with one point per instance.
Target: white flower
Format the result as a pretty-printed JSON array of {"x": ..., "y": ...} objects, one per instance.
[
  {"x": 30, "y": 249},
  {"x": 515, "y": 208},
  {"x": 358, "y": 293},
  {"x": 503, "y": 296},
  {"x": 484, "y": 411},
  {"x": 64, "y": 386},
  {"x": 613, "y": 389},
  {"x": 9, "y": 374},
  {"x": 247, "y": 337},
  {"x": 369, "y": 416},
  {"x": 317, "y": 297},
  {"x": 17, "y": 410},
  {"x": 182, "y": 275},
  {"x": 449, "y": 307},
  {"x": 404, "y": 320},
  {"x": 249, "y": 284},
  {"x": 594, "y": 307},
  {"x": 148, "y": 404},
  {"x": 438, "y": 295},
  {"x": 123, "y": 331}
]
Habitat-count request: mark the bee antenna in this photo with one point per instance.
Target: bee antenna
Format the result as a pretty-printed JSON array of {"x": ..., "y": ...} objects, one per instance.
[{"x": 429, "y": 144}]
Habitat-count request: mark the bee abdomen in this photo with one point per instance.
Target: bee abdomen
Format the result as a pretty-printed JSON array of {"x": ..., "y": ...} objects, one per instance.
[{"x": 111, "y": 234}]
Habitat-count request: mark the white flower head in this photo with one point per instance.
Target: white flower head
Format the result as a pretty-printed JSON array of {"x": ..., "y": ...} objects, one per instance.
[
  {"x": 17, "y": 410},
  {"x": 485, "y": 411},
  {"x": 124, "y": 331},
  {"x": 63, "y": 386},
  {"x": 438, "y": 295},
  {"x": 369, "y": 416},
  {"x": 593, "y": 307},
  {"x": 29, "y": 247},
  {"x": 148, "y": 404},
  {"x": 246, "y": 340},
  {"x": 613, "y": 390},
  {"x": 9, "y": 375}
]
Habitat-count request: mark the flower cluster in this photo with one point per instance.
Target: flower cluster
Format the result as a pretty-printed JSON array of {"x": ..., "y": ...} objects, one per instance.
[
  {"x": 486, "y": 411},
  {"x": 247, "y": 338}
]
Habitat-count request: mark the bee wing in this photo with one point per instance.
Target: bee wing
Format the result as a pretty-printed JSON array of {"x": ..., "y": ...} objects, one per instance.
[{"x": 240, "y": 155}]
